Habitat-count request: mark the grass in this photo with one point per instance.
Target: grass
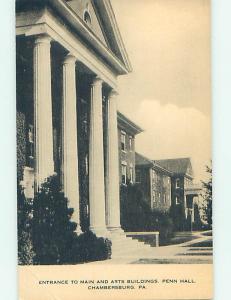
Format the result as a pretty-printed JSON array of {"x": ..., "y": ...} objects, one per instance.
[
  {"x": 177, "y": 240},
  {"x": 208, "y": 233},
  {"x": 208, "y": 243},
  {"x": 172, "y": 261}
]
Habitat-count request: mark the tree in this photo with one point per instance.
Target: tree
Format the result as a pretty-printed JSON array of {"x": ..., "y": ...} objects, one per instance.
[
  {"x": 55, "y": 239},
  {"x": 136, "y": 214},
  {"x": 207, "y": 207},
  {"x": 53, "y": 230}
]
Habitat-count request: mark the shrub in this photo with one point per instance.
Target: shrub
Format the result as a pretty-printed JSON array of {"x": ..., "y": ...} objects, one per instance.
[
  {"x": 134, "y": 210},
  {"x": 136, "y": 214},
  {"x": 162, "y": 222},
  {"x": 24, "y": 222},
  {"x": 88, "y": 247},
  {"x": 54, "y": 237}
]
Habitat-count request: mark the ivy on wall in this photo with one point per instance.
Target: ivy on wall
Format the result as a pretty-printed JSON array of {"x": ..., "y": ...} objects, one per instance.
[{"x": 21, "y": 143}]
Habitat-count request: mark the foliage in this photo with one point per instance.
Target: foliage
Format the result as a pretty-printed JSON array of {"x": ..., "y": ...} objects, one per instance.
[
  {"x": 162, "y": 222},
  {"x": 21, "y": 144},
  {"x": 197, "y": 224},
  {"x": 207, "y": 205},
  {"x": 136, "y": 214},
  {"x": 88, "y": 247},
  {"x": 54, "y": 233},
  {"x": 25, "y": 247},
  {"x": 177, "y": 214}
]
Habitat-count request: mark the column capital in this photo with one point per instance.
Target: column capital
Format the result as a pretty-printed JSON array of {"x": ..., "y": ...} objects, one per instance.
[
  {"x": 113, "y": 93},
  {"x": 69, "y": 59},
  {"x": 43, "y": 39},
  {"x": 97, "y": 81}
]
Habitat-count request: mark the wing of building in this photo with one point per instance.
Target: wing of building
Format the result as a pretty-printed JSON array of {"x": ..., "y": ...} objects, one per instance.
[
  {"x": 127, "y": 131},
  {"x": 168, "y": 187}
]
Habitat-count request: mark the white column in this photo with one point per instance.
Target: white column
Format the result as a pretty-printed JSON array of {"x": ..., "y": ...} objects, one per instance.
[
  {"x": 112, "y": 176},
  {"x": 44, "y": 163},
  {"x": 96, "y": 162},
  {"x": 70, "y": 175}
]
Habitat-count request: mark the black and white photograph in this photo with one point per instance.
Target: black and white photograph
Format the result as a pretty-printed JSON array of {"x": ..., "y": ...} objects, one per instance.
[{"x": 113, "y": 123}]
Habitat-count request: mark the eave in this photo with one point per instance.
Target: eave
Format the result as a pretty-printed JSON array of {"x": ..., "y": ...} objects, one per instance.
[
  {"x": 123, "y": 121},
  {"x": 78, "y": 26}
]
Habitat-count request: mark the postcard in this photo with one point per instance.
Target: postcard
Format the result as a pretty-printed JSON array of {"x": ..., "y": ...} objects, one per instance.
[{"x": 114, "y": 166}]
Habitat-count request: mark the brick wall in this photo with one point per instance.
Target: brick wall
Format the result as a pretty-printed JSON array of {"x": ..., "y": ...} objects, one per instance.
[{"x": 126, "y": 155}]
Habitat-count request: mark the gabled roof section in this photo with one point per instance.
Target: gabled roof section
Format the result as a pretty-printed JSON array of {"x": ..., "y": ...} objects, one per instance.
[
  {"x": 142, "y": 160},
  {"x": 178, "y": 166},
  {"x": 104, "y": 26},
  {"x": 103, "y": 38},
  {"x": 112, "y": 31},
  {"x": 87, "y": 12},
  {"x": 127, "y": 125}
]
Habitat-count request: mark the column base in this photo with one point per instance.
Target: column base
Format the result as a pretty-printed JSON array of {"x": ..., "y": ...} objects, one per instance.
[
  {"x": 78, "y": 230},
  {"x": 115, "y": 230},
  {"x": 100, "y": 231}
]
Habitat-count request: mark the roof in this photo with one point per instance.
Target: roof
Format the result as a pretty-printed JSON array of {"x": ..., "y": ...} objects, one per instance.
[
  {"x": 114, "y": 53},
  {"x": 127, "y": 125},
  {"x": 181, "y": 166},
  {"x": 142, "y": 161}
]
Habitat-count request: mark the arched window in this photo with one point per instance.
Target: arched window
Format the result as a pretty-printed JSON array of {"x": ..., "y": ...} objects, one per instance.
[{"x": 87, "y": 17}]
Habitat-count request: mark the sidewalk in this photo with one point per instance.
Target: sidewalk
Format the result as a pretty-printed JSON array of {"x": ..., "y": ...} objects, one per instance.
[{"x": 187, "y": 253}]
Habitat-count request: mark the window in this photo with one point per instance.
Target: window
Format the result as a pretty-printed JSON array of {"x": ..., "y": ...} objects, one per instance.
[
  {"x": 124, "y": 174},
  {"x": 87, "y": 17},
  {"x": 123, "y": 139},
  {"x": 138, "y": 176},
  {"x": 130, "y": 143},
  {"x": 86, "y": 164},
  {"x": 153, "y": 198},
  {"x": 177, "y": 200},
  {"x": 177, "y": 183},
  {"x": 164, "y": 198},
  {"x": 131, "y": 174},
  {"x": 31, "y": 140}
]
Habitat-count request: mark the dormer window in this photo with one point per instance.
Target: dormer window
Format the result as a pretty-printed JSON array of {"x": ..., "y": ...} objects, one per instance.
[{"x": 87, "y": 18}]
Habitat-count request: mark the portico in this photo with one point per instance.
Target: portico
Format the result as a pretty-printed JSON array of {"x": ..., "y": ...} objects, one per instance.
[{"x": 72, "y": 109}]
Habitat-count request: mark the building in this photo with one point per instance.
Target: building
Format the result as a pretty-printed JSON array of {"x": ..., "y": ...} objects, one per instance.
[
  {"x": 168, "y": 187},
  {"x": 155, "y": 182},
  {"x": 184, "y": 192},
  {"x": 69, "y": 54},
  {"x": 127, "y": 130}
]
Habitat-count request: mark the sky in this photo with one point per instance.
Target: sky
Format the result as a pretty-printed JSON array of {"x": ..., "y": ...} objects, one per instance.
[{"x": 168, "y": 92}]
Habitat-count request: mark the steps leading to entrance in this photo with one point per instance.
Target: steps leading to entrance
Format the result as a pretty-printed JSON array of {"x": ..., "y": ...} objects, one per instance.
[{"x": 123, "y": 246}]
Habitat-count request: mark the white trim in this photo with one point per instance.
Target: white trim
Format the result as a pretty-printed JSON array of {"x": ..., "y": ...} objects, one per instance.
[{"x": 45, "y": 22}]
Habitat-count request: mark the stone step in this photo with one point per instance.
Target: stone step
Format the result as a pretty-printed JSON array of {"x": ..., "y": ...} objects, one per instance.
[
  {"x": 128, "y": 248},
  {"x": 130, "y": 244},
  {"x": 123, "y": 246},
  {"x": 129, "y": 252}
]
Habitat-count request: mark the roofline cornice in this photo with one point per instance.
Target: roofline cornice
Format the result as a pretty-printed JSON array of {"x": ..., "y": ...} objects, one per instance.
[
  {"x": 123, "y": 119},
  {"x": 116, "y": 31},
  {"x": 76, "y": 23}
]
